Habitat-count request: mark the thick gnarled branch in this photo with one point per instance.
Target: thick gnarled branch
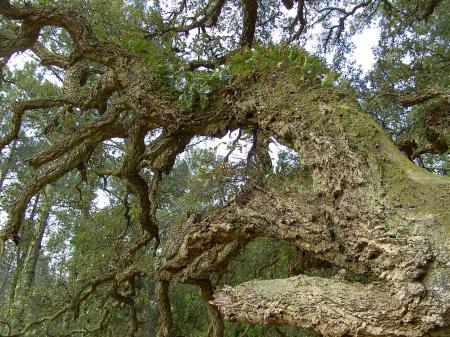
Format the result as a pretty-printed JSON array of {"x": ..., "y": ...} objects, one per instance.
[
  {"x": 332, "y": 307},
  {"x": 340, "y": 217}
]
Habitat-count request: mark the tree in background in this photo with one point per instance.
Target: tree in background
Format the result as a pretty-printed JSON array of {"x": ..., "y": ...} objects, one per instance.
[{"x": 348, "y": 234}]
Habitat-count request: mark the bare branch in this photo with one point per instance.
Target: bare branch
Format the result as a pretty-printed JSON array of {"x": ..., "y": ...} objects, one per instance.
[
  {"x": 83, "y": 293},
  {"x": 49, "y": 59},
  {"x": 34, "y": 18},
  {"x": 96, "y": 128},
  {"x": 127, "y": 300},
  {"x": 77, "y": 156},
  {"x": 408, "y": 100},
  {"x": 233, "y": 146},
  {"x": 250, "y": 8},
  {"x": 205, "y": 18},
  {"x": 300, "y": 17},
  {"x": 340, "y": 27},
  {"x": 19, "y": 108}
]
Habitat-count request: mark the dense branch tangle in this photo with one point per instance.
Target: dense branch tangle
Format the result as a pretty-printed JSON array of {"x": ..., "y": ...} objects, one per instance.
[
  {"x": 67, "y": 154},
  {"x": 348, "y": 210}
]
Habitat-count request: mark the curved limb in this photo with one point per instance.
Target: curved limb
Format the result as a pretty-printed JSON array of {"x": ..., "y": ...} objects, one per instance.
[
  {"x": 162, "y": 152},
  {"x": 86, "y": 131},
  {"x": 130, "y": 172},
  {"x": 17, "y": 210},
  {"x": 19, "y": 108},
  {"x": 47, "y": 58},
  {"x": 345, "y": 215},
  {"x": 207, "y": 242},
  {"x": 34, "y": 18},
  {"x": 206, "y": 18}
]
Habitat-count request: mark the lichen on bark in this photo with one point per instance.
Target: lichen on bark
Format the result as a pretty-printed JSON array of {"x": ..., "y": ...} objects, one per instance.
[
  {"x": 361, "y": 206},
  {"x": 357, "y": 214}
]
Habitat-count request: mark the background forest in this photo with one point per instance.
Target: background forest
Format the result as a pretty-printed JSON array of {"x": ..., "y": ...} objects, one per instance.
[{"x": 57, "y": 281}]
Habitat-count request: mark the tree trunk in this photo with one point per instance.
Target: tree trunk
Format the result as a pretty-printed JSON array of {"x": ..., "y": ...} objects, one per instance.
[
  {"x": 20, "y": 252},
  {"x": 7, "y": 270},
  {"x": 8, "y": 163},
  {"x": 32, "y": 255},
  {"x": 365, "y": 208},
  {"x": 216, "y": 328},
  {"x": 166, "y": 320},
  {"x": 26, "y": 273}
]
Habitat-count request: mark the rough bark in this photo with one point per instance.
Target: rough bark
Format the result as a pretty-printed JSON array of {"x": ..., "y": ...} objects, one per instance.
[
  {"x": 7, "y": 164},
  {"x": 32, "y": 255},
  {"x": 166, "y": 320},
  {"x": 367, "y": 209},
  {"x": 26, "y": 273},
  {"x": 250, "y": 8},
  {"x": 216, "y": 328},
  {"x": 21, "y": 252},
  {"x": 430, "y": 134},
  {"x": 6, "y": 268},
  {"x": 364, "y": 206}
]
